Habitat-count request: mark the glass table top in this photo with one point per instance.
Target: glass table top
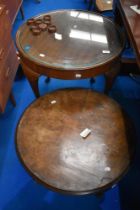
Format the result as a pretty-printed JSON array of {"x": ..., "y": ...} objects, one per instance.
[{"x": 83, "y": 40}]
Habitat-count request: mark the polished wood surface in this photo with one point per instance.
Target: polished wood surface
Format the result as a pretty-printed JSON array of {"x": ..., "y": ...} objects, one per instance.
[
  {"x": 131, "y": 22},
  {"x": 49, "y": 144},
  {"x": 85, "y": 45},
  {"x": 8, "y": 58}
]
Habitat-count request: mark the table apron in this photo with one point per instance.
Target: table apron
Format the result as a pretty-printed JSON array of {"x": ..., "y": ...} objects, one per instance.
[{"x": 68, "y": 74}]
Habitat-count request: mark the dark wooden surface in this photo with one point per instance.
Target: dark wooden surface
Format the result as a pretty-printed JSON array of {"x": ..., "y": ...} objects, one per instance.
[
  {"x": 8, "y": 57},
  {"x": 49, "y": 144},
  {"x": 131, "y": 22},
  {"x": 75, "y": 51}
]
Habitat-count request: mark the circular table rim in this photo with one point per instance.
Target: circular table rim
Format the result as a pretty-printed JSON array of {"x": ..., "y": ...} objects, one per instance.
[
  {"x": 55, "y": 189},
  {"x": 47, "y": 65}
]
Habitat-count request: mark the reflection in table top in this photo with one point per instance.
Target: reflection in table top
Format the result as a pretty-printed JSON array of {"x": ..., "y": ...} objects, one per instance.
[
  {"x": 83, "y": 40},
  {"x": 51, "y": 148}
]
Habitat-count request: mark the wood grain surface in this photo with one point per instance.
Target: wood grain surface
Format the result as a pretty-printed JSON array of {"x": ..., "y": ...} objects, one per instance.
[{"x": 49, "y": 144}]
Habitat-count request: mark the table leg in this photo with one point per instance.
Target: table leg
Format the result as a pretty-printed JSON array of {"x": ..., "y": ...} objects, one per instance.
[
  {"x": 90, "y": 4},
  {"x": 22, "y": 12},
  {"x": 12, "y": 99},
  {"x": 99, "y": 195},
  {"x": 92, "y": 80},
  {"x": 47, "y": 80},
  {"x": 33, "y": 78},
  {"x": 111, "y": 75}
]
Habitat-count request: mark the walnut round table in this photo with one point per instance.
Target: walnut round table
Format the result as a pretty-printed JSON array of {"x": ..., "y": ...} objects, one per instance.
[
  {"x": 50, "y": 146},
  {"x": 84, "y": 45}
]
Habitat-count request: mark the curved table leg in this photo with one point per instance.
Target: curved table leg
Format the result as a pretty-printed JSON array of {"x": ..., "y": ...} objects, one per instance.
[
  {"x": 32, "y": 78},
  {"x": 111, "y": 75},
  {"x": 92, "y": 80},
  {"x": 47, "y": 80},
  {"x": 99, "y": 195},
  {"x": 12, "y": 99},
  {"x": 90, "y": 4},
  {"x": 22, "y": 12}
]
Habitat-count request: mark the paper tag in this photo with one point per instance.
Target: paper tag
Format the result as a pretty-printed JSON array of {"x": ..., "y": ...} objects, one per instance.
[
  {"x": 85, "y": 133},
  {"x": 53, "y": 102},
  {"x": 135, "y": 9},
  {"x": 78, "y": 75},
  {"x": 107, "y": 169},
  {"x": 106, "y": 51}
]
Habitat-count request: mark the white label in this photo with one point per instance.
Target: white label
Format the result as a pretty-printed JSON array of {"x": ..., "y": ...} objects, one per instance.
[
  {"x": 135, "y": 9},
  {"x": 85, "y": 132},
  {"x": 53, "y": 102},
  {"x": 78, "y": 75},
  {"x": 107, "y": 169},
  {"x": 106, "y": 51}
]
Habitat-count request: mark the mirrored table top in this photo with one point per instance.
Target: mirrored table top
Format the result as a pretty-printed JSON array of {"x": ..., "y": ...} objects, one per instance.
[{"x": 83, "y": 40}]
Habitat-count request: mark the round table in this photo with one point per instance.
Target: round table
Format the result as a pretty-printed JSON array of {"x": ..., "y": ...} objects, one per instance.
[
  {"x": 50, "y": 146},
  {"x": 84, "y": 45}
]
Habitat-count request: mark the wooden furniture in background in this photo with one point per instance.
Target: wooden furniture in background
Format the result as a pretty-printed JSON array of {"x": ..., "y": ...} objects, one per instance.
[
  {"x": 84, "y": 45},
  {"x": 104, "y": 5},
  {"x": 50, "y": 147},
  {"x": 8, "y": 58},
  {"x": 131, "y": 22},
  {"x": 13, "y": 6}
]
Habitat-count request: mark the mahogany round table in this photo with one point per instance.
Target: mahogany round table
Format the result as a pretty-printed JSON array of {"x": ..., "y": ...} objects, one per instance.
[
  {"x": 84, "y": 45},
  {"x": 50, "y": 146}
]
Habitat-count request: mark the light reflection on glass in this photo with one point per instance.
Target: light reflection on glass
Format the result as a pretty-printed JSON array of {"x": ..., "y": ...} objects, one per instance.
[
  {"x": 75, "y": 26},
  {"x": 99, "y": 38},
  {"x": 74, "y": 13},
  {"x": 80, "y": 35},
  {"x": 58, "y": 36},
  {"x": 85, "y": 16},
  {"x": 88, "y": 36}
]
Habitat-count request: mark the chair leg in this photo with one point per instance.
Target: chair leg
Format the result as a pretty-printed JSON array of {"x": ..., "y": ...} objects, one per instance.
[
  {"x": 100, "y": 194},
  {"x": 92, "y": 80},
  {"x": 47, "y": 80},
  {"x": 90, "y": 4},
  {"x": 22, "y": 12},
  {"x": 12, "y": 99},
  {"x": 111, "y": 75}
]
